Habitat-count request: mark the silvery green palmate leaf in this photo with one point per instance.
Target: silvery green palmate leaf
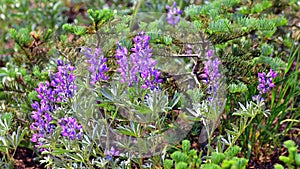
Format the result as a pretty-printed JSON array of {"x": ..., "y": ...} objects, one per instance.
[{"x": 245, "y": 116}]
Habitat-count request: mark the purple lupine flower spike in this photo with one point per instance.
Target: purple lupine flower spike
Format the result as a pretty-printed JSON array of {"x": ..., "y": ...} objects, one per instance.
[
  {"x": 173, "y": 15},
  {"x": 70, "y": 128},
  {"x": 97, "y": 65},
  {"x": 265, "y": 84},
  {"x": 211, "y": 75},
  {"x": 139, "y": 63},
  {"x": 59, "y": 89}
]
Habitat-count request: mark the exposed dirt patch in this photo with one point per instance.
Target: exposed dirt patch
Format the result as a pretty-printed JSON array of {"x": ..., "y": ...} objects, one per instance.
[{"x": 25, "y": 159}]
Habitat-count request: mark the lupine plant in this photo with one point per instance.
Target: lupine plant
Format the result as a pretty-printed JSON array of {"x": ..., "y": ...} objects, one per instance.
[
  {"x": 119, "y": 84},
  {"x": 9, "y": 142}
]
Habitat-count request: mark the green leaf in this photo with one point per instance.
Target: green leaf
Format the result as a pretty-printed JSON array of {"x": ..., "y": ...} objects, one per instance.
[
  {"x": 168, "y": 164},
  {"x": 48, "y": 34},
  {"x": 279, "y": 21},
  {"x": 232, "y": 151},
  {"x": 7, "y": 117},
  {"x": 3, "y": 149},
  {"x": 269, "y": 33},
  {"x": 210, "y": 166},
  {"x": 259, "y": 7},
  {"x": 59, "y": 151},
  {"x": 278, "y": 166},
  {"x": 133, "y": 130},
  {"x": 4, "y": 145},
  {"x": 181, "y": 165},
  {"x": 107, "y": 93},
  {"x": 178, "y": 156},
  {"x": 186, "y": 145},
  {"x": 267, "y": 49},
  {"x": 240, "y": 162},
  {"x": 285, "y": 159},
  {"x": 5, "y": 123},
  {"x": 233, "y": 133},
  {"x": 16, "y": 137},
  {"x": 79, "y": 30},
  {"x": 217, "y": 158},
  {"x": 77, "y": 157},
  {"x": 297, "y": 159},
  {"x": 237, "y": 88},
  {"x": 100, "y": 17},
  {"x": 289, "y": 144}
]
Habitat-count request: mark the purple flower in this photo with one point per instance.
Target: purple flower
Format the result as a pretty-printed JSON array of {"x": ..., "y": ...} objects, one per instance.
[
  {"x": 34, "y": 138},
  {"x": 60, "y": 89},
  {"x": 63, "y": 83},
  {"x": 111, "y": 153},
  {"x": 173, "y": 15},
  {"x": 272, "y": 74},
  {"x": 210, "y": 53},
  {"x": 265, "y": 83},
  {"x": 138, "y": 64},
  {"x": 97, "y": 64},
  {"x": 70, "y": 128},
  {"x": 211, "y": 75},
  {"x": 128, "y": 70},
  {"x": 257, "y": 98}
]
